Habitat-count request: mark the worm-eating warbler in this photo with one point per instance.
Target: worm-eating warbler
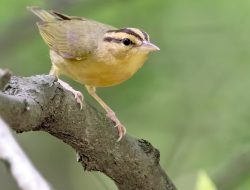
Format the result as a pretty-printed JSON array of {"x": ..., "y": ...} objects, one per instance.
[{"x": 92, "y": 53}]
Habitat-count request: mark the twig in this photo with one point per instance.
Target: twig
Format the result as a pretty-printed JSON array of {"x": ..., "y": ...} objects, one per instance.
[{"x": 25, "y": 174}]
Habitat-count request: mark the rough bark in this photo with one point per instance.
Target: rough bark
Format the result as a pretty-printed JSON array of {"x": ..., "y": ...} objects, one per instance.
[{"x": 39, "y": 103}]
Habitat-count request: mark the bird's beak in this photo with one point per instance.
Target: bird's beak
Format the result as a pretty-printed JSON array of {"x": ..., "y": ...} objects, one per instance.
[{"x": 147, "y": 46}]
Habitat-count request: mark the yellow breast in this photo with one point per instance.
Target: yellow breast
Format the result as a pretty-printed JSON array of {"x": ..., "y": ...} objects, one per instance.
[{"x": 98, "y": 74}]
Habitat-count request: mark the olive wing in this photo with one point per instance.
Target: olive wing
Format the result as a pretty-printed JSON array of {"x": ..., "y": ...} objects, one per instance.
[{"x": 73, "y": 39}]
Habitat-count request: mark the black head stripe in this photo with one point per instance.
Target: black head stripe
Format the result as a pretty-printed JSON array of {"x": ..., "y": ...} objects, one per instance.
[
  {"x": 128, "y": 31},
  {"x": 116, "y": 40},
  {"x": 110, "y": 39},
  {"x": 145, "y": 35}
]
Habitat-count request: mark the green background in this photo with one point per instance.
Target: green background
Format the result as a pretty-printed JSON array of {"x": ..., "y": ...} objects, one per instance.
[{"x": 191, "y": 100}]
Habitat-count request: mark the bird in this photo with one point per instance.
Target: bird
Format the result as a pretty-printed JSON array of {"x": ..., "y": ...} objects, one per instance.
[{"x": 92, "y": 53}]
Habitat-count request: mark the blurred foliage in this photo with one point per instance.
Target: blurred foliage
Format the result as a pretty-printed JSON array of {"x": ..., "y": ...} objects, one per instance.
[
  {"x": 191, "y": 99},
  {"x": 204, "y": 182}
]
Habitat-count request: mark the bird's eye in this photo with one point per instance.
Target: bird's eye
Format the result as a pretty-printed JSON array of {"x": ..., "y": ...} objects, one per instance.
[{"x": 126, "y": 42}]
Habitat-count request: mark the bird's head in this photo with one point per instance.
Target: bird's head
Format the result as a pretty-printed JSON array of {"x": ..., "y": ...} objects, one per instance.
[{"x": 128, "y": 42}]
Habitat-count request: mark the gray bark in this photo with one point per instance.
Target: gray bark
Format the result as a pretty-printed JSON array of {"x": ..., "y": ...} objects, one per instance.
[{"x": 39, "y": 103}]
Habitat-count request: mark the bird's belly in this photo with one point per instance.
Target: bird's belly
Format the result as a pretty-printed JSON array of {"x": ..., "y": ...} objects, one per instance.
[{"x": 97, "y": 74}]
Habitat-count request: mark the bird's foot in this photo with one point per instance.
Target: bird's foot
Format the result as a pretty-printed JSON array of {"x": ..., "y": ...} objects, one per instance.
[
  {"x": 79, "y": 98},
  {"x": 78, "y": 95},
  {"x": 121, "y": 129}
]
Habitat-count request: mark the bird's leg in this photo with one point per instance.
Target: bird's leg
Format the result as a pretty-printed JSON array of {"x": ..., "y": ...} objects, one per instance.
[
  {"x": 110, "y": 113},
  {"x": 78, "y": 95}
]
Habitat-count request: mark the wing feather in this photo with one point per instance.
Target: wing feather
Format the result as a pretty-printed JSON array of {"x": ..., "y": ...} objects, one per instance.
[{"x": 72, "y": 38}]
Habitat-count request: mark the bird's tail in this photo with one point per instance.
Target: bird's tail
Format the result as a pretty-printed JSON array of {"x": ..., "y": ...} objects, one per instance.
[{"x": 42, "y": 14}]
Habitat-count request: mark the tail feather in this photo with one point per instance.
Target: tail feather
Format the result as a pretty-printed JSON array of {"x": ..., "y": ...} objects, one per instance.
[{"x": 43, "y": 14}]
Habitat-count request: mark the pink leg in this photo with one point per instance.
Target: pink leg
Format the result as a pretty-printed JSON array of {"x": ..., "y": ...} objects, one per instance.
[
  {"x": 110, "y": 113},
  {"x": 78, "y": 95},
  {"x": 121, "y": 129}
]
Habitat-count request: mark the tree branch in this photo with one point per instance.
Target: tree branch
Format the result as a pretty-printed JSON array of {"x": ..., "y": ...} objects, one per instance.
[{"x": 39, "y": 103}]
